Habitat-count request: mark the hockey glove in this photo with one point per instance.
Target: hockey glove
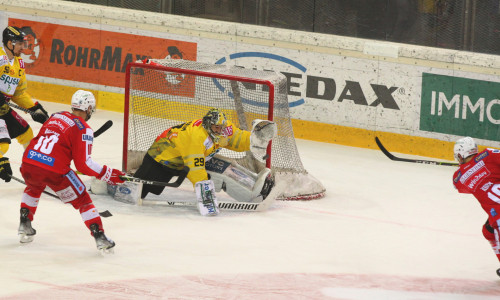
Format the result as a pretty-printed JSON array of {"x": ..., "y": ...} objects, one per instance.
[
  {"x": 5, "y": 170},
  {"x": 38, "y": 113},
  {"x": 263, "y": 131},
  {"x": 4, "y": 107},
  {"x": 110, "y": 175},
  {"x": 3, "y": 99}
]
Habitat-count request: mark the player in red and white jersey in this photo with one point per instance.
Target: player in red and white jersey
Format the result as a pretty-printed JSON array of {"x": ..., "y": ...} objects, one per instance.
[
  {"x": 63, "y": 138},
  {"x": 479, "y": 175}
]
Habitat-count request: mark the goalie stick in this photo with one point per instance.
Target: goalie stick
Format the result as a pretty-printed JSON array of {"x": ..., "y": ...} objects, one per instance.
[
  {"x": 227, "y": 205},
  {"x": 418, "y": 161},
  {"x": 104, "y": 214}
]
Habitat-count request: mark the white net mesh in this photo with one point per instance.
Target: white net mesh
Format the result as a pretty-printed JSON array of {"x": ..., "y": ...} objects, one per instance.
[{"x": 169, "y": 92}]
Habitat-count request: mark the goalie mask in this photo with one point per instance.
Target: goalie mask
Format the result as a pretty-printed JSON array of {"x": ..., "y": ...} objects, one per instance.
[
  {"x": 83, "y": 100},
  {"x": 215, "y": 123},
  {"x": 464, "y": 148}
]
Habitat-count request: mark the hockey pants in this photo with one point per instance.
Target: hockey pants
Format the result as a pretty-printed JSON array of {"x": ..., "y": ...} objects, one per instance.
[
  {"x": 491, "y": 234},
  {"x": 68, "y": 187}
]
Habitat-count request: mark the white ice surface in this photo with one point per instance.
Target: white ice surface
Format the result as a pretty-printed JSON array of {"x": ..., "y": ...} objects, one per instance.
[{"x": 385, "y": 230}]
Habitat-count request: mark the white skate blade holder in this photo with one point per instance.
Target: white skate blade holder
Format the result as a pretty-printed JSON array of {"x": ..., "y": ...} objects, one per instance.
[
  {"x": 108, "y": 251},
  {"x": 24, "y": 238}
]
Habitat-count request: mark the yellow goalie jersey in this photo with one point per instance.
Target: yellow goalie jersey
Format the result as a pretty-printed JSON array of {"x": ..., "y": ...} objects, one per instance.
[
  {"x": 190, "y": 145},
  {"x": 13, "y": 82}
]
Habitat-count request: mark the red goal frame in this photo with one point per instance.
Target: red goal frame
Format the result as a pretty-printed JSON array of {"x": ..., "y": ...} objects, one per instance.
[{"x": 268, "y": 83}]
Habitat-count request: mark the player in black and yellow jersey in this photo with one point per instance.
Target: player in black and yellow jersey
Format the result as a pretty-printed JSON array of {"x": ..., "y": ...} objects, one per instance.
[{"x": 13, "y": 86}]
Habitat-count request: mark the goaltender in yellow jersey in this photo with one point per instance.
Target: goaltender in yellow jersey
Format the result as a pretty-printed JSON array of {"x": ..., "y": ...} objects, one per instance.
[{"x": 190, "y": 144}]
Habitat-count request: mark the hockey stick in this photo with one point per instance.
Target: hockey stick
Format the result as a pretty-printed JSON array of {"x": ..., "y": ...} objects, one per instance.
[
  {"x": 20, "y": 108},
  {"x": 103, "y": 128},
  {"x": 177, "y": 183},
  {"x": 97, "y": 133},
  {"x": 104, "y": 214},
  {"x": 227, "y": 205},
  {"x": 418, "y": 161}
]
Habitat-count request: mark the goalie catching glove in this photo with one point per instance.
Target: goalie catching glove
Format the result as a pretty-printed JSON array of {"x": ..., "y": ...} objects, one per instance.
[
  {"x": 38, "y": 113},
  {"x": 110, "y": 175},
  {"x": 263, "y": 131},
  {"x": 207, "y": 201}
]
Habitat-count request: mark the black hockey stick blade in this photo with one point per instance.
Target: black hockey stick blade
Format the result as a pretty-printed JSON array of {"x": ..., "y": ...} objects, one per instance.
[
  {"x": 103, "y": 128},
  {"x": 104, "y": 214},
  {"x": 177, "y": 183},
  {"x": 418, "y": 161}
]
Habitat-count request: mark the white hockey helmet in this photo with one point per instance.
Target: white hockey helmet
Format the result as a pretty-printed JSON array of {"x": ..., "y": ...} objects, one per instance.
[
  {"x": 82, "y": 100},
  {"x": 464, "y": 148}
]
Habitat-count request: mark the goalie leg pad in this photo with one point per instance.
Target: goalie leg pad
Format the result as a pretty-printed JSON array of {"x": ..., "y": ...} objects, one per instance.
[
  {"x": 207, "y": 200},
  {"x": 242, "y": 186},
  {"x": 217, "y": 179}
]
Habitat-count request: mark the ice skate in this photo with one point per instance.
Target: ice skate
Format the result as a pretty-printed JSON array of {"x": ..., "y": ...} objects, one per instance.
[
  {"x": 26, "y": 232},
  {"x": 268, "y": 186},
  {"x": 104, "y": 244}
]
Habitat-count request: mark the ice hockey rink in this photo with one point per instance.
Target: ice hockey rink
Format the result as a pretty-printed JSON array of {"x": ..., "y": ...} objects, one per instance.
[{"x": 385, "y": 230}]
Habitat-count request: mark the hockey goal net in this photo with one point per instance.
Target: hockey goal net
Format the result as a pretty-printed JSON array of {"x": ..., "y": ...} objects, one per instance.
[{"x": 163, "y": 93}]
